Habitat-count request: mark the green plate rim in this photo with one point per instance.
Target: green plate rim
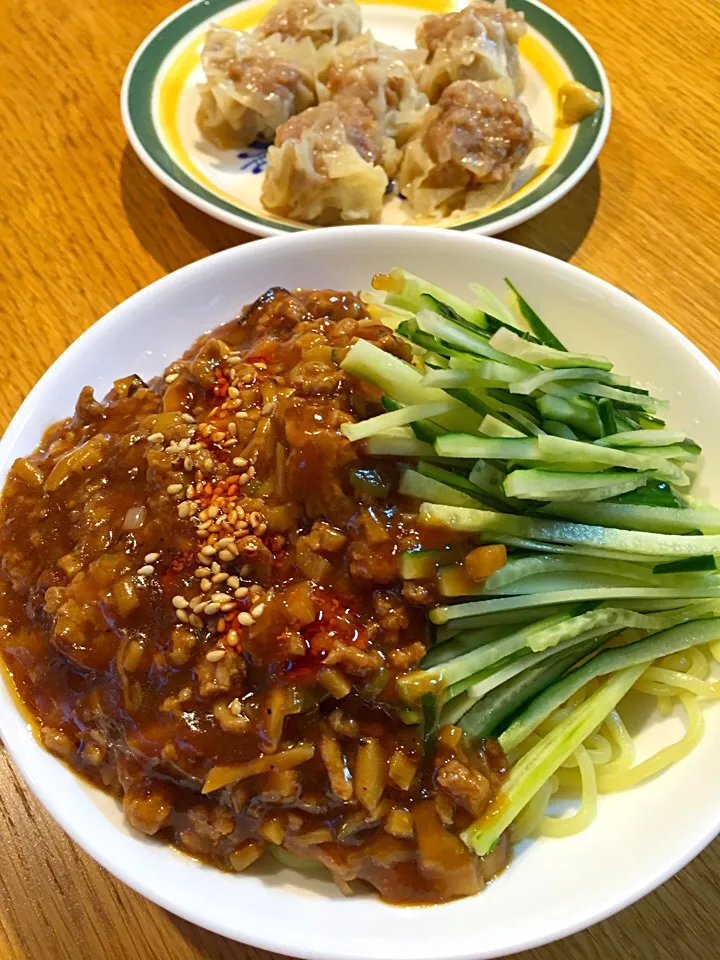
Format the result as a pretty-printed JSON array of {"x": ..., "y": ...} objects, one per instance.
[{"x": 144, "y": 68}]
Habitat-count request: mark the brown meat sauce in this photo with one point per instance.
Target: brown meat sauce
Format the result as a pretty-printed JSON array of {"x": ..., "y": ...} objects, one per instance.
[{"x": 201, "y": 608}]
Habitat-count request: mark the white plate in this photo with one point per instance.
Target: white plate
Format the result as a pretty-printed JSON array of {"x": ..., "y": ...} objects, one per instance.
[
  {"x": 553, "y": 887},
  {"x": 159, "y": 101}
]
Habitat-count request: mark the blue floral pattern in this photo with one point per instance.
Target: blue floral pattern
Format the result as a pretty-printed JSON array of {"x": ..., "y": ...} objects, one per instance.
[{"x": 253, "y": 159}]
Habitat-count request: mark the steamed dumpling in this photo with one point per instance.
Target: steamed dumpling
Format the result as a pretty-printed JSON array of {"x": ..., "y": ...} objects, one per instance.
[
  {"x": 381, "y": 77},
  {"x": 252, "y": 88},
  {"x": 468, "y": 151},
  {"x": 325, "y": 166},
  {"x": 322, "y": 21},
  {"x": 478, "y": 42}
]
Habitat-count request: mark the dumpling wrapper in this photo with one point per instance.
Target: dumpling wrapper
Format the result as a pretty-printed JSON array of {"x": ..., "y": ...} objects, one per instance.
[
  {"x": 479, "y": 42},
  {"x": 251, "y": 88},
  {"x": 324, "y": 167},
  {"x": 320, "y": 21},
  {"x": 383, "y": 78},
  {"x": 467, "y": 154}
]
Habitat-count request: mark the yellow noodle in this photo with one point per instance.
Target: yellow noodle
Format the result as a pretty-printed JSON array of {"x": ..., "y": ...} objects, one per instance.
[
  {"x": 664, "y": 757},
  {"x": 567, "y": 826},
  {"x": 689, "y": 682},
  {"x": 529, "y": 820},
  {"x": 665, "y": 705},
  {"x": 715, "y": 649}
]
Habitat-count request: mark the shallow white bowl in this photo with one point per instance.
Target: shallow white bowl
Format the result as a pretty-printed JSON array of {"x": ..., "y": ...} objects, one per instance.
[{"x": 553, "y": 887}]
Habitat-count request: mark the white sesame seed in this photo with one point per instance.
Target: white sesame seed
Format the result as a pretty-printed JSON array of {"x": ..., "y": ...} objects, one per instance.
[
  {"x": 257, "y": 611},
  {"x": 180, "y": 602},
  {"x": 184, "y": 443},
  {"x": 214, "y": 655},
  {"x": 245, "y": 619},
  {"x": 221, "y": 597},
  {"x": 267, "y": 409},
  {"x": 184, "y": 509},
  {"x": 202, "y": 571},
  {"x": 213, "y": 512},
  {"x": 225, "y": 542},
  {"x": 200, "y": 607},
  {"x": 235, "y": 706},
  {"x": 261, "y": 529},
  {"x": 251, "y": 471},
  {"x": 195, "y": 620},
  {"x": 205, "y": 585},
  {"x": 147, "y": 571},
  {"x": 233, "y": 582},
  {"x": 212, "y": 608},
  {"x": 227, "y": 607},
  {"x": 187, "y": 464},
  {"x": 188, "y": 418},
  {"x": 182, "y": 616},
  {"x": 220, "y": 577},
  {"x": 243, "y": 479},
  {"x": 174, "y": 488},
  {"x": 156, "y": 437},
  {"x": 226, "y": 556},
  {"x": 241, "y": 592},
  {"x": 208, "y": 550},
  {"x": 192, "y": 447},
  {"x": 151, "y": 557},
  {"x": 215, "y": 567},
  {"x": 171, "y": 377},
  {"x": 241, "y": 414}
]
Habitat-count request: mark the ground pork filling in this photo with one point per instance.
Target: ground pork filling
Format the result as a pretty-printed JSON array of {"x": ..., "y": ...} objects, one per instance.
[{"x": 201, "y": 608}]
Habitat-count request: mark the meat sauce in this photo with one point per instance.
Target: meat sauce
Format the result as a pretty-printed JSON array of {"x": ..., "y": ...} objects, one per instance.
[{"x": 201, "y": 609}]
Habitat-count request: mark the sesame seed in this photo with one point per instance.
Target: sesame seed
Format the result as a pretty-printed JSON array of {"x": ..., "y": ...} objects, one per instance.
[
  {"x": 147, "y": 570},
  {"x": 239, "y": 462},
  {"x": 261, "y": 529},
  {"x": 232, "y": 427},
  {"x": 202, "y": 571},
  {"x": 188, "y": 418},
  {"x": 180, "y": 602},
  {"x": 226, "y": 556},
  {"x": 156, "y": 437},
  {"x": 220, "y": 625},
  {"x": 205, "y": 585},
  {"x": 171, "y": 377},
  {"x": 260, "y": 365},
  {"x": 208, "y": 464},
  {"x": 243, "y": 479},
  {"x": 211, "y": 608},
  {"x": 214, "y": 655},
  {"x": 241, "y": 592},
  {"x": 220, "y": 577},
  {"x": 245, "y": 619},
  {"x": 190, "y": 491},
  {"x": 233, "y": 392},
  {"x": 213, "y": 512},
  {"x": 208, "y": 550},
  {"x": 233, "y": 582},
  {"x": 184, "y": 443},
  {"x": 193, "y": 447},
  {"x": 200, "y": 607},
  {"x": 233, "y": 637},
  {"x": 227, "y": 607},
  {"x": 182, "y": 616},
  {"x": 174, "y": 488},
  {"x": 251, "y": 471},
  {"x": 255, "y": 518},
  {"x": 225, "y": 542},
  {"x": 267, "y": 409},
  {"x": 195, "y": 620},
  {"x": 184, "y": 509},
  {"x": 258, "y": 610},
  {"x": 151, "y": 557},
  {"x": 221, "y": 597},
  {"x": 188, "y": 464},
  {"x": 235, "y": 707},
  {"x": 242, "y": 414}
]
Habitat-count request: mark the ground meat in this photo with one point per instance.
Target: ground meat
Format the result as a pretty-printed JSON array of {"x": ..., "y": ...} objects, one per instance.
[
  {"x": 476, "y": 135},
  {"x": 469, "y": 788},
  {"x": 331, "y": 123},
  {"x": 435, "y": 30},
  {"x": 148, "y": 807}
]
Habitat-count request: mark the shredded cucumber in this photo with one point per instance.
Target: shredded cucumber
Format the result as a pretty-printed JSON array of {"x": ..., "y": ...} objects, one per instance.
[
  {"x": 577, "y": 487},
  {"x": 414, "y": 484},
  {"x": 506, "y": 341},
  {"x": 628, "y": 516}
]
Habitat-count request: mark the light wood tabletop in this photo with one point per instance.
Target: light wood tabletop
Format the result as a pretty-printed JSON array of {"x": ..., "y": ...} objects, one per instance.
[{"x": 83, "y": 225}]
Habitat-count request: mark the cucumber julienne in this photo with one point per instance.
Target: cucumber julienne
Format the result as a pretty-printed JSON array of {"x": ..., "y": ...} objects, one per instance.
[{"x": 611, "y": 564}]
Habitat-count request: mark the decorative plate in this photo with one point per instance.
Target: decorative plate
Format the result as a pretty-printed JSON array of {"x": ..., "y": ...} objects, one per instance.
[{"x": 160, "y": 98}]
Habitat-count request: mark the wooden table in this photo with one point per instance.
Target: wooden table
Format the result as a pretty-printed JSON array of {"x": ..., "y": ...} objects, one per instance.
[{"x": 83, "y": 225}]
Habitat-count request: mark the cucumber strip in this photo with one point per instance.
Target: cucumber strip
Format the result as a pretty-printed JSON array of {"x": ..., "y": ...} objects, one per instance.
[
  {"x": 643, "y": 438},
  {"x": 486, "y": 371},
  {"x": 396, "y": 418},
  {"x": 625, "y": 398},
  {"x": 423, "y": 564},
  {"x": 606, "y": 411},
  {"x": 541, "y": 761},
  {"x": 431, "y": 344},
  {"x": 577, "y": 412},
  {"x": 521, "y": 567},
  {"x": 452, "y": 479},
  {"x": 578, "y": 487},
  {"x": 628, "y": 516},
  {"x": 398, "y": 445},
  {"x": 660, "y": 545},
  {"x": 493, "y": 305},
  {"x": 463, "y": 643},
  {"x": 414, "y": 484},
  {"x": 528, "y": 385},
  {"x": 669, "y": 641},
  {"x": 490, "y": 480},
  {"x": 558, "y": 429},
  {"x": 406, "y": 290},
  {"x": 556, "y": 448},
  {"x": 541, "y": 331},
  {"x": 484, "y": 719},
  {"x": 691, "y": 565},
  {"x": 507, "y": 618},
  {"x": 467, "y": 693},
  {"x": 492, "y": 427},
  {"x": 397, "y": 379},
  {"x": 656, "y": 493},
  {"x": 510, "y": 343},
  {"x": 473, "y": 447},
  {"x": 575, "y": 550},
  {"x": 453, "y": 333},
  {"x": 448, "y": 378},
  {"x": 453, "y": 583}
]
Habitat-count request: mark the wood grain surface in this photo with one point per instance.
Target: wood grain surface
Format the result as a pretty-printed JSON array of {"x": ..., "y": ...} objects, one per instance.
[{"x": 83, "y": 226}]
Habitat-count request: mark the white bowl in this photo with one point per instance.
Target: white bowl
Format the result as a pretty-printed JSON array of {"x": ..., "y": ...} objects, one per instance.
[{"x": 553, "y": 887}]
